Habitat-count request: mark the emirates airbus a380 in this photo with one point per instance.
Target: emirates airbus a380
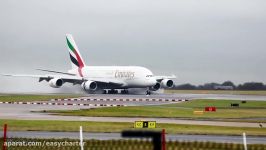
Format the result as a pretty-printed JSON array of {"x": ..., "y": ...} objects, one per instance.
[{"x": 108, "y": 79}]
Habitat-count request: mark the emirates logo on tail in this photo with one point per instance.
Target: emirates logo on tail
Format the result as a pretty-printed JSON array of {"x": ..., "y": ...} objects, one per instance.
[{"x": 75, "y": 57}]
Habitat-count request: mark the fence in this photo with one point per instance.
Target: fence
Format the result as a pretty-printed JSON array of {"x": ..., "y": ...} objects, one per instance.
[
  {"x": 132, "y": 140},
  {"x": 129, "y": 144}
]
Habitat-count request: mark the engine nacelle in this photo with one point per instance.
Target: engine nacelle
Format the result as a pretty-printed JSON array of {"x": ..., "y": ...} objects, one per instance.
[
  {"x": 167, "y": 83},
  {"x": 89, "y": 86},
  {"x": 56, "y": 82},
  {"x": 156, "y": 87}
]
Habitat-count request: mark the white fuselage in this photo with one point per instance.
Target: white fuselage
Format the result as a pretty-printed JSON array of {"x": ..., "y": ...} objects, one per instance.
[{"x": 129, "y": 76}]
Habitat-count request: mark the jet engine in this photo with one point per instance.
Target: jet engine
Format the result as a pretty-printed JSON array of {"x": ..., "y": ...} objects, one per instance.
[
  {"x": 56, "y": 82},
  {"x": 167, "y": 83},
  {"x": 156, "y": 87},
  {"x": 89, "y": 85}
]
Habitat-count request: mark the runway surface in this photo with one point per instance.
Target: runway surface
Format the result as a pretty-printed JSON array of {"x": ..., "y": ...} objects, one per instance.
[
  {"x": 109, "y": 136},
  {"x": 24, "y": 112},
  {"x": 184, "y": 96},
  {"x": 15, "y": 111}
]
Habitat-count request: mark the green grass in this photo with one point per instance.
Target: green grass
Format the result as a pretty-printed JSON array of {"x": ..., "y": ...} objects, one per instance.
[
  {"x": 235, "y": 92},
  {"x": 28, "y": 97},
  {"x": 249, "y": 110},
  {"x": 45, "y": 125}
]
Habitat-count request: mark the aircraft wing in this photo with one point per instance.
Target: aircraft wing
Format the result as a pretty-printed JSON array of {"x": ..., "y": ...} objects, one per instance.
[
  {"x": 22, "y": 75},
  {"x": 160, "y": 78},
  {"x": 69, "y": 79},
  {"x": 65, "y": 78},
  {"x": 98, "y": 80}
]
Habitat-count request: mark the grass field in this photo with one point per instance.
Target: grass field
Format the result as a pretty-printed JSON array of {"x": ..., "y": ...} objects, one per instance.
[
  {"x": 235, "y": 92},
  {"x": 28, "y": 98},
  {"x": 29, "y": 125},
  {"x": 250, "y": 111}
]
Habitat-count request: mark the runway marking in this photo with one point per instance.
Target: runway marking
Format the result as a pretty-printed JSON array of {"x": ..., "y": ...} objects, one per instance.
[
  {"x": 64, "y": 104},
  {"x": 123, "y": 100}
]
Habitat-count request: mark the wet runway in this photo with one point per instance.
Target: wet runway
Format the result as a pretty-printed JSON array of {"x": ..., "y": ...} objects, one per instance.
[
  {"x": 109, "y": 136},
  {"x": 16, "y": 111},
  {"x": 24, "y": 111},
  {"x": 186, "y": 96}
]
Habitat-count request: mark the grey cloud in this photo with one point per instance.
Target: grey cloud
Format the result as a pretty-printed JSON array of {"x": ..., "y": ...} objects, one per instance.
[{"x": 198, "y": 40}]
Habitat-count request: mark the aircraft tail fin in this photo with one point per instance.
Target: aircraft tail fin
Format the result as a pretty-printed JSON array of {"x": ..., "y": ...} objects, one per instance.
[{"x": 75, "y": 57}]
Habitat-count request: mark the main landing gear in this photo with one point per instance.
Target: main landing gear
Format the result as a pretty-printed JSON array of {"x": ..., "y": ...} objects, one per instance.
[
  {"x": 124, "y": 91},
  {"x": 148, "y": 92},
  {"x": 113, "y": 91}
]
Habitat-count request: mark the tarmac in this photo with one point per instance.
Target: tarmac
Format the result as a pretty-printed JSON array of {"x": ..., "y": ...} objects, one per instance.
[
  {"x": 29, "y": 111},
  {"x": 182, "y": 96}
]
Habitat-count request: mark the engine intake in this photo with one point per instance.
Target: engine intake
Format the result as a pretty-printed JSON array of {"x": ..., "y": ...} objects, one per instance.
[
  {"x": 56, "y": 82},
  {"x": 156, "y": 87},
  {"x": 167, "y": 83},
  {"x": 89, "y": 86}
]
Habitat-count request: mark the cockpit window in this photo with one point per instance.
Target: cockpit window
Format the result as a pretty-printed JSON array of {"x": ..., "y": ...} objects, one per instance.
[{"x": 149, "y": 75}]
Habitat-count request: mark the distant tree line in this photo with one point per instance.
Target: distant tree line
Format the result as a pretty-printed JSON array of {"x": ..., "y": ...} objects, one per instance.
[{"x": 226, "y": 84}]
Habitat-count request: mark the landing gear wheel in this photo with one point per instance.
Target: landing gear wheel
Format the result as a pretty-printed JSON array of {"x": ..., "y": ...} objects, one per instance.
[
  {"x": 112, "y": 91},
  {"x": 148, "y": 92},
  {"x": 124, "y": 91}
]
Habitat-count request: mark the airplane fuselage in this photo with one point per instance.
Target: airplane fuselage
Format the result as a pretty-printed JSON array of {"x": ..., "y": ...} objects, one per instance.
[{"x": 130, "y": 76}]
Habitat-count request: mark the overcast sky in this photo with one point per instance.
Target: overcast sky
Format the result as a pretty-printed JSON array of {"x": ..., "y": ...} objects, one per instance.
[{"x": 197, "y": 40}]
